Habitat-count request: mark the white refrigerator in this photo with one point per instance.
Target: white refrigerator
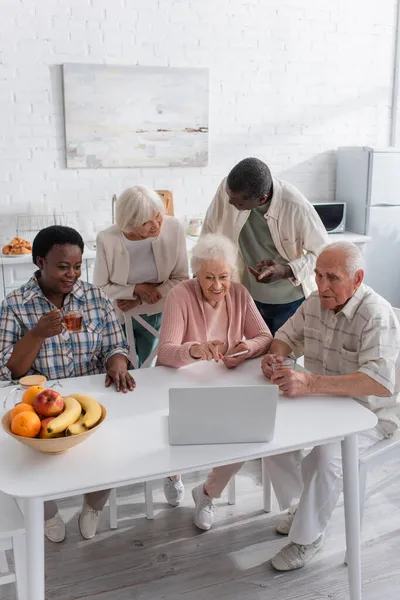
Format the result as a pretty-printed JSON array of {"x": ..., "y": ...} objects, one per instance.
[{"x": 368, "y": 180}]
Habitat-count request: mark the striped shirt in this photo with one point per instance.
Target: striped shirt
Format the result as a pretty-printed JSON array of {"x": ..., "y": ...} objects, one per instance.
[
  {"x": 67, "y": 354},
  {"x": 363, "y": 337}
]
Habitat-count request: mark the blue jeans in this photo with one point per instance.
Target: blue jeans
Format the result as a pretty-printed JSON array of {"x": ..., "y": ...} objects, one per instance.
[{"x": 275, "y": 315}]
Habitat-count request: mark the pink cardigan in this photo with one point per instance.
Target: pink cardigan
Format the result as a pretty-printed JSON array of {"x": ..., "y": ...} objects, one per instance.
[{"x": 184, "y": 323}]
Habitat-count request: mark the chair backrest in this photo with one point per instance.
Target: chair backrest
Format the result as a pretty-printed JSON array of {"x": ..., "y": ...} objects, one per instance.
[
  {"x": 130, "y": 335},
  {"x": 11, "y": 519},
  {"x": 166, "y": 197}
]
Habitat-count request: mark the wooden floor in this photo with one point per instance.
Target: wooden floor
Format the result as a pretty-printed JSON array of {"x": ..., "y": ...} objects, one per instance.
[{"x": 169, "y": 559}]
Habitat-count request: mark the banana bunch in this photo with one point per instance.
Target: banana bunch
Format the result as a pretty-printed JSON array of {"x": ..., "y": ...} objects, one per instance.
[{"x": 81, "y": 412}]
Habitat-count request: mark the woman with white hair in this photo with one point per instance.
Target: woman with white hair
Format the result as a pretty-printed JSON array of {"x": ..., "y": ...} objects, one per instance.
[
  {"x": 139, "y": 259},
  {"x": 210, "y": 318}
]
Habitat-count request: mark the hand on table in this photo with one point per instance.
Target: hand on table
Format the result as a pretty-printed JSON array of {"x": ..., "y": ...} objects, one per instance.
[
  {"x": 293, "y": 383},
  {"x": 206, "y": 350},
  {"x": 117, "y": 373},
  {"x": 48, "y": 325},
  {"x": 268, "y": 271},
  {"x": 232, "y": 362},
  {"x": 148, "y": 292},
  {"x": 126, "y": 305},
  {"x": 267, "y": 363}
]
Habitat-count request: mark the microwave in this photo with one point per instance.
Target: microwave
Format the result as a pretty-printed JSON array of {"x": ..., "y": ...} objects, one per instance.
[{"x": 332, "y": 215}]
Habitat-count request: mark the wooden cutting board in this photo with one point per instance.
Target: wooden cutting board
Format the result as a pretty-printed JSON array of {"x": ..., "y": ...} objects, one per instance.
[{"x": 167, "y": 198}]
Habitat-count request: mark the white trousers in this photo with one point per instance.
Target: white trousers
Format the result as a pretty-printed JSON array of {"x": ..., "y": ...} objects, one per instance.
[{"x": 314, "y": 482}]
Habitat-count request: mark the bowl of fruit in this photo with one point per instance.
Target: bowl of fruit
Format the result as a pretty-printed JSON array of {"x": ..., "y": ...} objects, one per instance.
[{"x": 49, "y": 423}]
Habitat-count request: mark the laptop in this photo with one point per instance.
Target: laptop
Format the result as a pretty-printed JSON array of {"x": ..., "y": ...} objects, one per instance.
[{"x": 222, "y": 415}]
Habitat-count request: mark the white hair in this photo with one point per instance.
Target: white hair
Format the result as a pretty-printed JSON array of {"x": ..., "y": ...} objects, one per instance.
[
  {"x": 353, "y": 257},
  {"x": 213, "y": 247},
  {"x": 137, "y": 205}
]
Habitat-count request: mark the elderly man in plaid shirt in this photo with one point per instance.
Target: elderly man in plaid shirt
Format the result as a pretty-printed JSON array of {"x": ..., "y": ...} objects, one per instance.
[
  {"x": 350, "y": 339},
  {"x": 34, "y": 339}
]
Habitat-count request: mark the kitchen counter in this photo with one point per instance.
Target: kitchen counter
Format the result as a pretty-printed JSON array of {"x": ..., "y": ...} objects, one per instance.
[
  {"x": 90, "y": 251},
  {"x": 16, "y": 270},
  {"x": 27, "y": 258},
  {"x": 348, "y": 236}
]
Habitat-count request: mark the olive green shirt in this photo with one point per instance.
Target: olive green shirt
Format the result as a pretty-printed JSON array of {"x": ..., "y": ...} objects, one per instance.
[{"x": 255, "y": 242}]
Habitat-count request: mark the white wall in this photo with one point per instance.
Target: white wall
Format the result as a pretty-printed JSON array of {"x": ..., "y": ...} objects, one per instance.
[{"x": 290, "y": 81}]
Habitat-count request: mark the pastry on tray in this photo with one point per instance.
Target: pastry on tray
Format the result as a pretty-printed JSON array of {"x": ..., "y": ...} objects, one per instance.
[{"x": 17, "y": 246}]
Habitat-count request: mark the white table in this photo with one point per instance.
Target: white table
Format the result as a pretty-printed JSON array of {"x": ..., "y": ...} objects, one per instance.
[{"x": 132, "y": 446}]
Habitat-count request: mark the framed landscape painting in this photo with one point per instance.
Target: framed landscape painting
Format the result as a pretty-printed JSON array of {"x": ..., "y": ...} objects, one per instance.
[{"x": 135, "y": 116}]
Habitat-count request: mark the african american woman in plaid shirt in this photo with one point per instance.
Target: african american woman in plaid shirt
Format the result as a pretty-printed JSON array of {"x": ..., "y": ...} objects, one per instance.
[{"x": 34, "y": 339}]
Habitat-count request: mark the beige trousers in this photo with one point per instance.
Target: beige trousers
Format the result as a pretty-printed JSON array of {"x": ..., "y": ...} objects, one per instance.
[
  {"x": 95, "y": 500},
  {"x": 219, "y": 477}
]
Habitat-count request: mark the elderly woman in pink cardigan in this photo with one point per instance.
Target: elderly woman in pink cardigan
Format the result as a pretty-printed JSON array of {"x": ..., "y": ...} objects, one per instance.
[{"x": 210, "y": 318}]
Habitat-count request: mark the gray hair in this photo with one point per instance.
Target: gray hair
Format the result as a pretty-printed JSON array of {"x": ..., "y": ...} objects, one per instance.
[
  {"x": 353, "y": 257},
  {"x": 213, "y": 247},
  {"x": 137, "y": 205}
]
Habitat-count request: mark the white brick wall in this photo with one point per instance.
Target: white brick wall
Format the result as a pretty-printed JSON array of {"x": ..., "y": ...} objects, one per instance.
[{"x": 290, "y": 81}]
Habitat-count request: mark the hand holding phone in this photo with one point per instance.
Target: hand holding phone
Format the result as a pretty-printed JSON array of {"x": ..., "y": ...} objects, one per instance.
[{"x": 236, "y": 354}]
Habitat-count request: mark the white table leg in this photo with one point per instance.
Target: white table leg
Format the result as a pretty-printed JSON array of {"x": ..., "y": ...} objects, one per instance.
[
  {"x": 266, "y": 486},
  {"x": 352, "y": 513},
  {"x": 34, "y": 532},
  {"x": 112, "y": 503},
  {"x": 148, "y": 498},
  {"x": 232, "y": 491}
]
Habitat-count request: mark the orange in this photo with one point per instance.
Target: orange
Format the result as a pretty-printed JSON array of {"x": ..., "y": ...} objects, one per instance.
[
  {"x": 20, "y": 407},
  {"x": 26, "y": 424},
  {"x": 31, "y": 393}
]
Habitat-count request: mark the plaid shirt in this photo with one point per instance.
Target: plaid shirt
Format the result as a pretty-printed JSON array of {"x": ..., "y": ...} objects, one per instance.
[
  {"x": 67, "y": 354},
  {"x": 363, "y": 337}
]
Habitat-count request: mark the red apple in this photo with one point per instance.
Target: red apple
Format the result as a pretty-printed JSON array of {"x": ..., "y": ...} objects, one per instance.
[
  {"x": 48, "y": 403},
  {"x": 43, "y": 434}
]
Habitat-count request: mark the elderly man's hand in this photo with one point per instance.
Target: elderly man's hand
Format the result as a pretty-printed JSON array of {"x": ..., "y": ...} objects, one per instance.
[
  {"x": 147, "y": 292},
  {"x": 269, "y": 271},
  {"x": 206, "y": 350},
  {"x": 293, "y": 383},
  {"x": 268, "y": 362},
  {"x": 233, "y": 361}
]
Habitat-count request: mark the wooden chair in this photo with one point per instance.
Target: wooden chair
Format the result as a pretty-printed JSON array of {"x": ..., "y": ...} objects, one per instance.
[{"x": 12, "y": 535}]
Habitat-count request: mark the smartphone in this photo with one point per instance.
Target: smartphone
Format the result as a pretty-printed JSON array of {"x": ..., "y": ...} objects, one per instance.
[{"x": 236, "y": 354}]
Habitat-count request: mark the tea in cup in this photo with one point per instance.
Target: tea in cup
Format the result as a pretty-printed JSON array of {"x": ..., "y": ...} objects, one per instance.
[{"x": 73, "y": 321}]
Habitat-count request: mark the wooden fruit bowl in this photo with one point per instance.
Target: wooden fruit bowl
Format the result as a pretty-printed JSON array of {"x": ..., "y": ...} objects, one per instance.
[{"x": 52, "y": 445}]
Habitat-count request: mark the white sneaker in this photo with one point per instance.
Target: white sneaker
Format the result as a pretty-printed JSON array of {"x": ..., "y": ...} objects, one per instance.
[
  {"x": 295, "y": 556},
  {"x": 88, "y": 520},
  {"x": 174, "y": 491},
  {"x": 54, "y": 529},
  {"x": 204, "y": 508},
  {"x": 284, "y": 526}
]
